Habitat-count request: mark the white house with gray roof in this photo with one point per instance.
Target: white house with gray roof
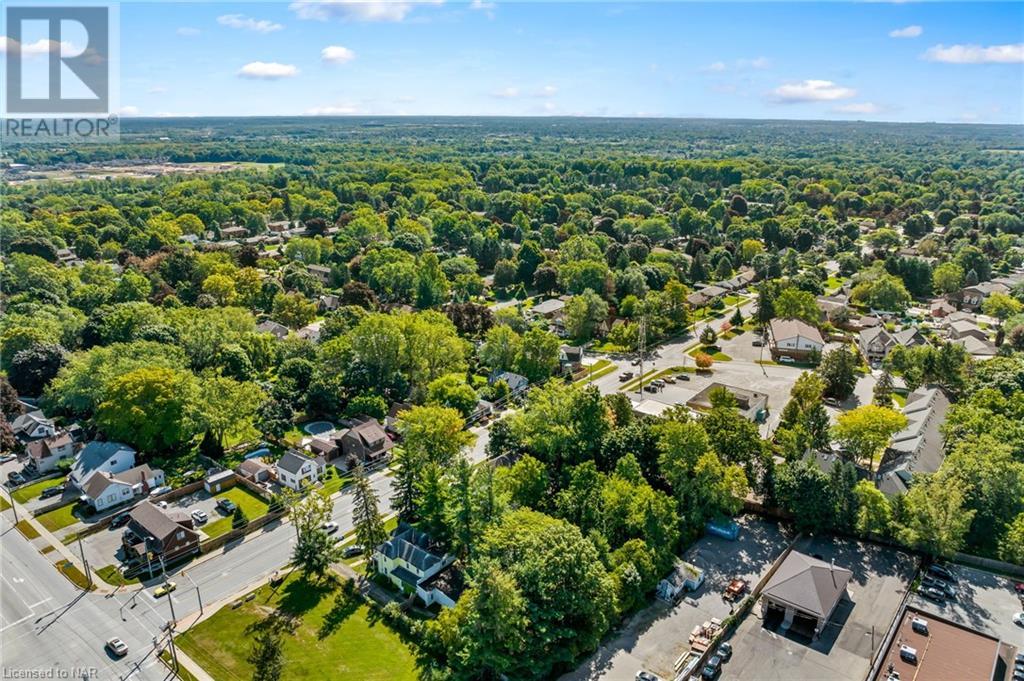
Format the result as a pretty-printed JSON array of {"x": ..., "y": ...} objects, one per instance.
[
  {"x": 409, "y": 559},
  {"x": 101, "y": 457},
  {"x": 296, "y": 470}
]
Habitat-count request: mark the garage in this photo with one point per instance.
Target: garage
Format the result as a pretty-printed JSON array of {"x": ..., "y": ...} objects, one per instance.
[{"x": 802, "y": 595}]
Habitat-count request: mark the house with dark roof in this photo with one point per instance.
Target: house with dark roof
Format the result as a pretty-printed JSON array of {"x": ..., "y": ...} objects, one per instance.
[
  {"x": 919, "y": 447},
  {"x": 296, "y": 470},
  {"x": 409, "y": 559},
  {"x": 105, "y": 490},
  {"x": 805, "y": 591},
  {"x": 706, "y": 296},
  {"x": 153, "y": 535},
  {"x": 321, "y": 272},
  {"x": 751, "y": 404},
  {"x": 101, "y": 457},
  {"x": 328, "y": 302},
  {"x": 515, "y": 382},
  {"x": 972, "y": 297},
  {"x": 279, "y": 331},
  {"x": 254, "y": 470},
  {"x": 33, "y": 425},
  {"x": 45, "y": 454},
  {"x": 875, "y": 344},
  {"x": 365, "y": 442}
]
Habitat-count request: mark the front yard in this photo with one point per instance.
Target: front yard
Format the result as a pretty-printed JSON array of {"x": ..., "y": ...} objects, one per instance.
[
  {"x": 252, "y": 506},
  {"x": 326, "y": 634},
  {"x": 30, "y": 492},
  {"x": 58, "y": 518}
]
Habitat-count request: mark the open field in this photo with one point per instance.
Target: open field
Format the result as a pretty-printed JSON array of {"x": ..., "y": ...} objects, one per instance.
[
  {"x": 329, "y": 635},
  {"x": 142, "y": 170},
  {"x": 252, "y": 506}
]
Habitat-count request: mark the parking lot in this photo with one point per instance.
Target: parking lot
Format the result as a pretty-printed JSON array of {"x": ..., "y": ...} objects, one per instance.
[
  {"x": 655, "y": 637},
  {"x": 880, "y": 579},
  {"x": 984, "y": 601}
]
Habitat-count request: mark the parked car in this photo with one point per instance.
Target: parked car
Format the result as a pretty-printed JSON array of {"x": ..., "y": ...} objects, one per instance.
[
  {"x": 669, "y": 379},
  {"x": 625, "y": 376},
  {"x": 164, "y": 589},
  {"x": 16, "y": 478},
  {"x": 1018, "y": 619},
  {"x": 940, "y": 584},
  {"x": 54, "y": 491},
  {"x": 932, "y": 594},
  {"x": 941, "y": 571},
  {"x": 651, "y": 388},
  {"x": 353, "y": 551},
  {"x": 832, "y": 402},
  {"x": 713, "y": 668},
  {"x": 117, "y": 647},
  {"x": 161, "y": 504},
  {"x": 4, "y": 458},
  {"x": 120, "y": 519},
  {"x": 757, "y": 343},
  {"x": 160, "y": 490},
  {"x": 1019, "y": 588},
  {"x": 643, "y": 675},
  {"x": 635, "y": 361},
  {"x": 684, "y": 377},
  {"x": 200, "y": 516},
  {"x": 330, "y": 527},
  {"x": 724, "y": 651},
  {"x": 787, "y": 360},
  {"x": 658, "y": 383},
  {"x": 227, "y": 506}
]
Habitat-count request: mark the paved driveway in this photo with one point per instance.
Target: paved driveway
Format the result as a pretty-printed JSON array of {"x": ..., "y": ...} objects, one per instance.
[
  {"x": 655, "y": 637},
  {"x": 985, "y": 602}
]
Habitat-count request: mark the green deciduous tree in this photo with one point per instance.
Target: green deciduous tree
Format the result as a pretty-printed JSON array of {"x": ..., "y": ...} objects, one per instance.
[
  {"x": 866, "y": 430},
  {"x": 151, "y": 408}
]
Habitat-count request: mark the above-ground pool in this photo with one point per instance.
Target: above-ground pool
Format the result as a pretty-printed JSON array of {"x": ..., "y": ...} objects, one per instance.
[{"x": 318, "y": 427}]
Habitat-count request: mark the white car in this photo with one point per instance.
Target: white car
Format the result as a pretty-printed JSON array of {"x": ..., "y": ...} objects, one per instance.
[
  {"x": 200, "y": 516},
  {"x": 1018, "y": 619},
  {"x": 329, "y": 527},
  {"x": 117, "y": 647}
]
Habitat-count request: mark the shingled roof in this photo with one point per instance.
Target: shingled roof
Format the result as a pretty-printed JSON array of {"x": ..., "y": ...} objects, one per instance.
[{"x": 808, "y": 584}]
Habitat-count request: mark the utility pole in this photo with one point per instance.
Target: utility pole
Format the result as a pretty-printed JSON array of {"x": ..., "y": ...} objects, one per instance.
[
  {"x": 85, "y": 563},
  {"x": 642, "y": 345},
  {"x": 13, "y": 506},
  {"x": 170, "y": 627}
]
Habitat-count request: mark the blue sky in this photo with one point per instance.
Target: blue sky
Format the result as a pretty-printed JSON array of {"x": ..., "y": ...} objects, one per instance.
[{"x": 872, "y": 61}]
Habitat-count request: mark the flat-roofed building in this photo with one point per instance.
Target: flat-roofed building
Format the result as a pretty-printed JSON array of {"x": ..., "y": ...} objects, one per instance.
[{"x": 931, "y": 648}]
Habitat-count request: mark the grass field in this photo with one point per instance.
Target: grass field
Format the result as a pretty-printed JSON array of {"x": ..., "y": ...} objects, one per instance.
[
  {"x": 601, "y": 367},
  {"x": 329, "y": 635},
  {"x": 3, "y": 504},
  {"x": 252, "y": 506},
  {"x": 713, "y": 351},
  {"x": 335, "y": 481},
  {"x": 75, "y": 575},
  {"x": 30, "y": 492},
  {"x": 58, "y": 518},
  {"x": 27, "y": 529},
  {"x": 111, "y": 576}
]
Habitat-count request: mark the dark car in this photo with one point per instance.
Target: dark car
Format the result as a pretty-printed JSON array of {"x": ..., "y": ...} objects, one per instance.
[
  {"x": 942, "y": 585},
  {"x": 226, "y": 505},
  {"x": 16, "y": 478},
  {"x": 713, "y": 668},
  {"x": 942, "y": 572},
  {"x": 352, "y": 551},
  {"x": 684, "y": 377},
  {"x": 932, "y": 594},
  {"x": 52, "y": 492},
  {"x": 724, "y": 651},
  {"x": 120, "y": 519}
]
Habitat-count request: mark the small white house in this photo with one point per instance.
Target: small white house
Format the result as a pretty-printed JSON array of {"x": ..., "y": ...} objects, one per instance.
[
  {"x": 45, "y": 454},
  {"x": 102, "y": 457},
  {"x": 105, "y": 490},
  {"x": 296, "y": 470},
  {"x": 794, "y": 338},
  {"x": 33, "y": 426},
  {"x": 684, "y": 577}
]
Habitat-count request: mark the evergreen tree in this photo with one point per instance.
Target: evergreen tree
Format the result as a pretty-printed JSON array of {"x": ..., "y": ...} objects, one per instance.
[
  {"x": 370, "y": 530},
  {"x": 266, "y": 657},
  {"x": 883, "y": 392}
]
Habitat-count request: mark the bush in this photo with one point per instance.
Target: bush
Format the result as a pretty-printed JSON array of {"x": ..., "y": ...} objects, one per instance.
[{"x": 703, "y": 360}]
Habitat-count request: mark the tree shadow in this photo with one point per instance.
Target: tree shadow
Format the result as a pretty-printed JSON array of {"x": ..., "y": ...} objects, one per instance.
[
  {"x": 344, "y": 605},
  {"x": 302, "y": 595}
]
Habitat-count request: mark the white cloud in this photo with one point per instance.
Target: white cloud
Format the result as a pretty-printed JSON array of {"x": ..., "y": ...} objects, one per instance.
[
  {"x": 481, "y": 4},
  {"x": 812, "y": 91},
  {"x": 129, "y": 111},
  {"x": 506, "y": 93},
  {"x": 547, "y": 91},
  {"x": 157, "y": 89},
  {"x": 41, "y": 46},
  {"x": 356, "y": 10},
  {"x": 242, "y": 22},
  {"x": 977, "y": 54},
  {"x": 759, "y": 63},
  {"x": 858, "y": 108},
  {"x": 911, "y": 31},
  {"x": 188, "y": 31},
  {"x": 716, "y": 67},
  {"x": 262, "y": 70},
  {"x": 333, "y": 110},
  {"x": 336, "y": 54}
]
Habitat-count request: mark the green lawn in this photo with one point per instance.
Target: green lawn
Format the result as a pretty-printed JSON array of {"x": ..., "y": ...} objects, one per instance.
[
  {"x": 713, "y": 351},
  {"x": 183, "y": 674},
  {"x": 335, "y": 481},
  {"x": 601, "y": 367},
  {"x": 27, "y": 529},
  {"x": 252, "y": 506},
  {"x": 30, "y": 492},
  {"x": 74, "y": 575},
  {"x": 329, "y": 635},
  {"x": 111, "y": 576},
  {"x": 3, "y": 504},
  {"x": 58, "y": 518}
]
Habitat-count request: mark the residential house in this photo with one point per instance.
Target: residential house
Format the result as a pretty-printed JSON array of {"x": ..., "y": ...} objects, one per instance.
[
  {"x": 233, "y": 232},
  {"x": 443, "y": 588},
  {"x": 752, "y": 405},
  {"x": 550, "y": 309},
  {"x": 279, "y": 331},
  {"x": 254, "y": 470},
  {"x": 310, "y": 332},
  {"x": 741, "y": 281},
  {"x": 409, "y": 559},
  {"x": 515, "y": 382},
  {"x": 961, "y": 329},
  {"x": 101, "y": 457},
  {"x": 155, "y": 536},
  {"x": 919, "y": 447},
  {"x": 328, "y": 302},
  {"x": 909, "y": 337},
  {"x": 297, "y": 470},
  {"x": 805, "y": 591},
  {"x": 875, "y": 343},
  {"x": 33, "y": 425},
  {"x": 105, "y": 490},
  {"x": 321, "y": 272},
  {"x": 391, "y": 419},
  {"x": 832, "y": 306},
  {"x": 971, "y": 297},
  {"x": 940, "y": 308},
  {"x": 794, "y": 338},
  {"x": 365, "y": 442},
  {"x": 46, "y": 453},
  {"x": 570, "y": 358},
  {"x": 706, "y": 296},
  {"x": 977, "y": 348}
]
